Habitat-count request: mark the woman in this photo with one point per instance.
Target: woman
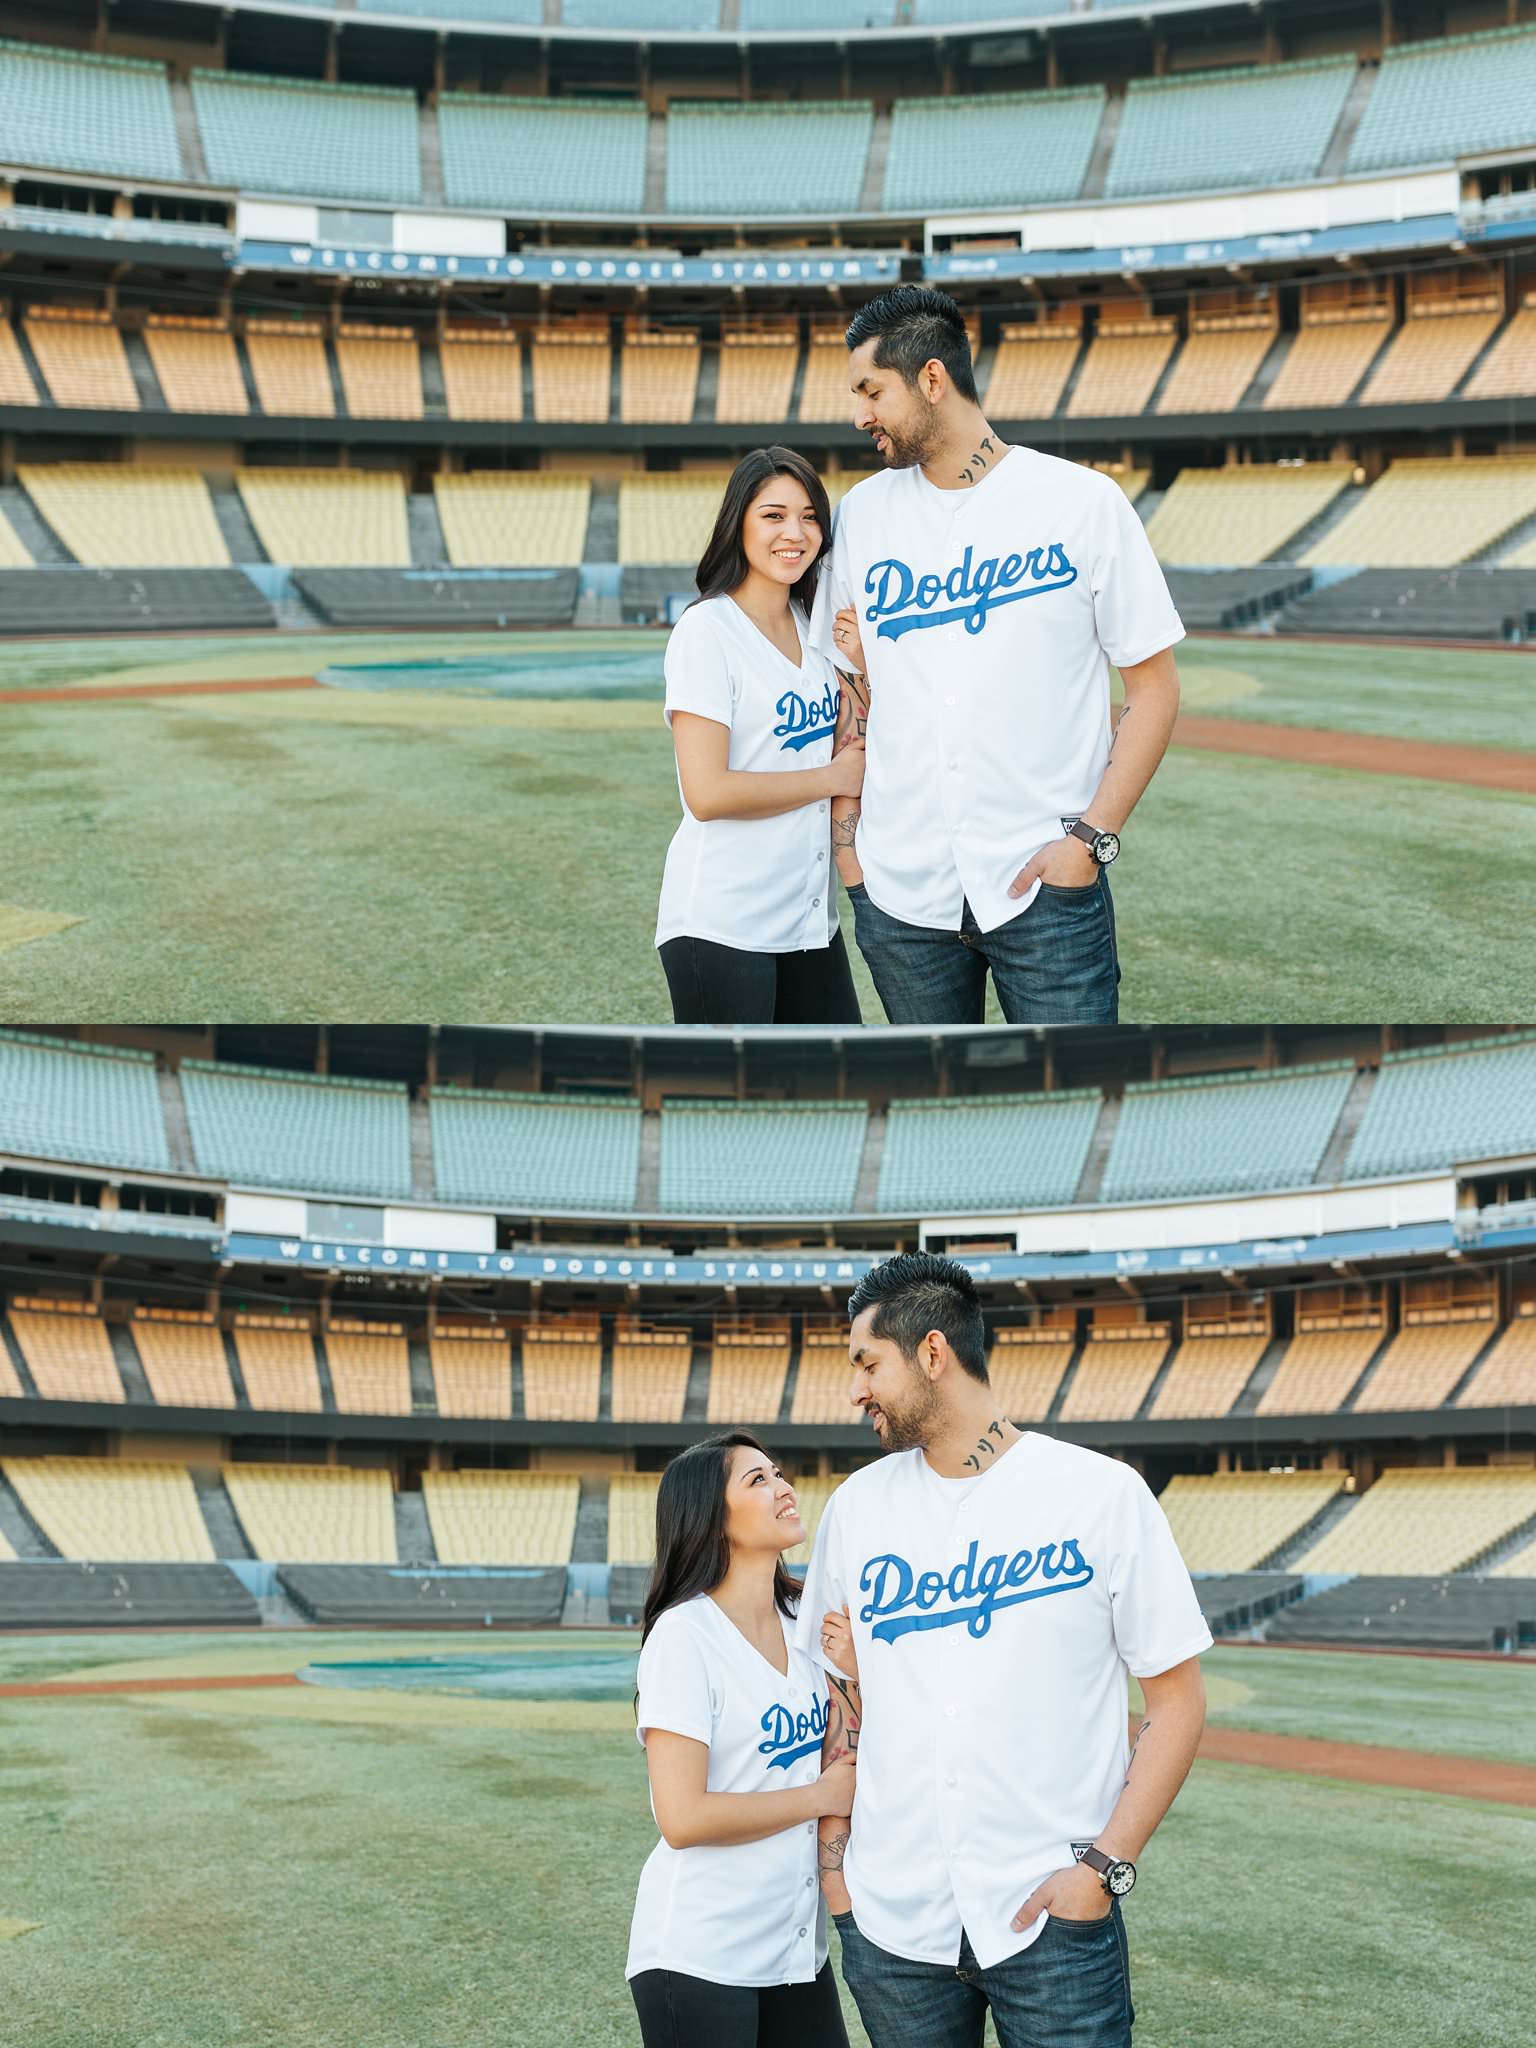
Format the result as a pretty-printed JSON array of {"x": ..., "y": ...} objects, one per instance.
[
  {"x": 728, "y": 1945},
  {"x": 747, "y": 927}
]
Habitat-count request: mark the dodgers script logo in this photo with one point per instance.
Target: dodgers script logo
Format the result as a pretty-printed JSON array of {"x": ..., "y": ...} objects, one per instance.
[
  {"x": 1000, "y": 1581},
  {"x": 904, "y": 602},
  {"x": 801, "y": 724},
  {"x": 792, "y": 1736}
]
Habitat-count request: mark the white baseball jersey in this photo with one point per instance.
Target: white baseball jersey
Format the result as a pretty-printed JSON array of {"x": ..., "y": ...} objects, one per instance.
[
  {"x": 994, "y": 1620},
  {"x": 989, "y": 617},
  {"x": 763, "y": 885},
  {"x": 750, "y": 1912}
]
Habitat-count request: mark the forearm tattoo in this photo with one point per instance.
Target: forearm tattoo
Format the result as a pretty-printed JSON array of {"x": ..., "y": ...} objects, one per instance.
[
  {"x": 853, "y": 712},
  {"x": 832, "y": 1849},
  {"x": 979, "y": 460},
  {"x": 987, "y": 1448},
  {"x": 845, "y": 824},
  {"x": 845, "y": 1715},
  {"x": 1134, "y": 1747}
]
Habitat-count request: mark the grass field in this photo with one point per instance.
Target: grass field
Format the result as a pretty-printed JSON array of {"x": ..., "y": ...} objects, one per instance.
[
  {"x": 305, "y": 1867},
  {"x": 415, "y": 843}
]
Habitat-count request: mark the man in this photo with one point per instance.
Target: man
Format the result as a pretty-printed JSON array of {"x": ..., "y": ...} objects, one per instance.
[
  {"x": 998, "y": 1585},
  {"x": 993, "y": 587}
]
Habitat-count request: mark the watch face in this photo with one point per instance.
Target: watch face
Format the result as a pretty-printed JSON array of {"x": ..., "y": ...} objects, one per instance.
[
  {"x": 1120, "y": 1879},
  {"x": 1105, "y": 848}
]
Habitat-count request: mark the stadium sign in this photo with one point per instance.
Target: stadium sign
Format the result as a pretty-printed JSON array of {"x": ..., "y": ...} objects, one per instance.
[
  {"x": 627, "y": 1269},
  {"x": 831, "y": 269},
  {"x": 1432, "y": 231}
]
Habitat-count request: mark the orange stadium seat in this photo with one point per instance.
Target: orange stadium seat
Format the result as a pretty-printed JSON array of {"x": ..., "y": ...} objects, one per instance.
[
  {"x": 747, "y": 1370},
  {"x": 757, "y": 373},
  {"x": 572, "y": 374},
  {"x": 277, "y": 1363},
  {"x": 472, "y": 1371},
  {"x": 658, "y": 375},
  {"x": 1031, "y": 368},
  {"x": 482, "y": 373},
  {"x": 1218, "y": 362},
  {"x": 1425, "y": 1360},
  {"x": 1319, "y": 1367},
  {"x": 1124, "y": 361},
  {"x": 562, "y": 1373},
  {"x": 1431, "y": 353},
  {"x": 182, "y": 1352},
  {"x": 370, "y": 1367},
  {"x": 650, "y": 1375},
  {"x": 1327, "y": 359},
  {"x": 67, "y": 1350},
  {"x": 380, "y": 372},
  {"x": 81, "y": 355},
  {"x": 1118, "y": 1364},
  {"x": 1507, "y": 1376},
  {"x": 1509, "y": 368},
  {"x": 821, "y": 1385},
  {"x": 289, "y": 368},
  {"x": 1026, "y": 1367},
  {"x": 1207, "y": 1374},
  {"x": 16, "y": 386},
  {"x": 196, "y": 363}
]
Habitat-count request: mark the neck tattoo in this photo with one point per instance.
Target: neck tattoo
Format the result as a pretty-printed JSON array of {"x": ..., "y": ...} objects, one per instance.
[
  {"x": 984, "y": 454},
  {"x": 988, "y": 1446}
]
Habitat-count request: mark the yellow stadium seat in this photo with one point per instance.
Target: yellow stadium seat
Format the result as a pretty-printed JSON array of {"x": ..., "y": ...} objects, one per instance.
[
  {"x": 514, "y": 518},
  {"x": 668, "y": 516},
  {"x": 1215, "y": 367},
  {"x": 1428, "y": 512},
  {"x": 1118, "y": 1364},
  {"x": 16, "y": 386},
  {"x": 472, "y": 1371},
  {"x": 1122, "y": 366},
  {"x": 311, "y": 518},
  {"x": 572, "y": 376},
  {"x": 1030, "y": 371},
  {"x": 82, "y": 357},
  {"x": 1232, "y": 1521},
  {"x": 502, "y": 1518},
  {"x": 315, "y": 1514},
  {"x": 1425, "y": 1519},
  {"x": 182, "y": 1353},
  {"x": 746, "y": 1376},
  {"x": 822, "y": 1383},
  {"x": 1509, "y": 369},
  {"x": 370, "y": 1367},
  {"x": 1507, "y": 1376},
  {"x": 380, "y": 372},
  {"x": 1429, "y": 356},
  {"x": 67, "y": 1350},
  {"x": 1423, "y": 1362},
  {"x": 650, "y": 1375},
  {"x": 125, "y": 515},
  {"x": 277, "y": 1363},
  {"x": 811, "y": 1497},
  {"x": 1318, "y": 1370},
  {"x": 1025, "y": 1367},
  {"x": 107, "y": 1510},
  {"x": 1242, "y": 514},
  {"x": 632, "y": 1517},
  {"x": 757, "y": 377},
  {"x": 289, "y": 369},
  {"x": 196, "y": 364},
  {"x": 1326, "y": 361},
  {"x": 658, "y": 377},
  {"x": 562, "y": 1373},
  {"x": 1207, "y": 1375},
  {"x": 482, "y": 374}
]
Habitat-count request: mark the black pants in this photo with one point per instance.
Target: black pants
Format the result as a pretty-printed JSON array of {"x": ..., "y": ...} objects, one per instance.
[
  {"x": 714, "y": 984},
  {"x": 685, "y": 2012}
]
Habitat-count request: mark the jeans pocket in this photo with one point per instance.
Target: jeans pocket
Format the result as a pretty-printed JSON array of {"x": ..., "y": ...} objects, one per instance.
[{"x": 1058, "y": 889}]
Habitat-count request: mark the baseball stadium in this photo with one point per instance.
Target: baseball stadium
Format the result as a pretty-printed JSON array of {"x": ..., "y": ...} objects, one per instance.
[
  {"x": 369, "y": 372},
  {"x": 339, "y": 1364}
]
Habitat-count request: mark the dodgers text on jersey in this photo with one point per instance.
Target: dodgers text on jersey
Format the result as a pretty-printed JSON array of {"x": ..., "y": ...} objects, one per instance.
[
  {"x": 904, "y": 602},
  {"x": 802, "y": 723},
  {"x": 789, "y": 1737},
  {"x": 902, "y": 1598}
]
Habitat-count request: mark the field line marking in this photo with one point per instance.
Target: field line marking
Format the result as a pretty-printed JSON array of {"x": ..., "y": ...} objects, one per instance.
[
  {"x": 72, "y": 693},
  {"x": 77, "y": 1688},
  {"x": 1314, "y": 746},
  {"x": 1364, "y": 1763}
]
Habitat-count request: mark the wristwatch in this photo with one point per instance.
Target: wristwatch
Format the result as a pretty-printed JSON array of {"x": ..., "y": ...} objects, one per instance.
[
  {"x": 1116, "y": 1875},
  {"x": 1104, "y": 846}
]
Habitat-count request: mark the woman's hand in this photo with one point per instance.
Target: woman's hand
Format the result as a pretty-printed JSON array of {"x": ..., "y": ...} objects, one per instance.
[
  {"x": 837, "y": 1642},
  {"x": 834, "y": 1788},
  {"x": 845, "y": 771},
  {"x": 845, "y": 638}
]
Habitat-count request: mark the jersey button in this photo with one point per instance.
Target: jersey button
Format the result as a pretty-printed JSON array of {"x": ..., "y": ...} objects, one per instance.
[
  {"x": 951, "y": 1783},
  {"x": 949, "y": 1714}
]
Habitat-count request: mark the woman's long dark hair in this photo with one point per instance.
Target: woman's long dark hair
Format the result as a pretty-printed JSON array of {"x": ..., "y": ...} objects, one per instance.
[
  {"x": 723, "y": 565},
  {"x": 693, "y": 1552}
]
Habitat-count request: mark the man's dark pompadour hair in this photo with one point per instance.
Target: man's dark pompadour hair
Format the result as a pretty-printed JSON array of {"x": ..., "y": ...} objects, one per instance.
[
  {"x": 916, "y": 325},
  {"x": 917, "y": 1292}
]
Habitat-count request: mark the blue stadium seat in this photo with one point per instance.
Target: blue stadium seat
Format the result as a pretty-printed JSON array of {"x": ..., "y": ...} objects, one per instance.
[
  {"x": 584, "y": 156},
  {"x": 535, "y": 1151},
  {"x": 1000, "y": 149},
  {"x": 1267, "y": 124},
  {"x": 760, "y": 1159},
  {"x": 97, "y": 1103},
  {"x": 642, "y": 14},
  {"x": 519, "y": 13},
  {"x": 1218, "y": 1134},
  {"x": 993, "y": 1152},
  {"x": 1433, "y": 102},
  {"x": 107, "y": 114},
  {"x": 291, "y": 135},
  {"x": 280, "y": 1129},
  {"x": 1433, "y": 1108},
  {"x": 730, "y": 157}
]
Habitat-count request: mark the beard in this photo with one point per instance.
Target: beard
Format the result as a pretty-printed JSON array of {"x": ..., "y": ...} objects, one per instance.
[
  {"x": 910, "y": 1427},
  {"x": 909, "y": 445}
]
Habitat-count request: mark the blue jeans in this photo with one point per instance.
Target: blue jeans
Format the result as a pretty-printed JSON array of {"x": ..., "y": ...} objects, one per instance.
[
  {"x": 1053, "y": 964},
  {"x": 1071, "y": 1988}
]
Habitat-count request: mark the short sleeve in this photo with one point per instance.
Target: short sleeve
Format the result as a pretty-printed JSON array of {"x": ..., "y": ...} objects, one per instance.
[
  {"x": 1131, "y": 605},
  {"x": 1153, "y": 1605},
  {"x": 825, "y": 1588},
  {"x": 673, "y": 1683},
  {"x": 834, "y": 588},
  {"x": 698, "y": 669}
]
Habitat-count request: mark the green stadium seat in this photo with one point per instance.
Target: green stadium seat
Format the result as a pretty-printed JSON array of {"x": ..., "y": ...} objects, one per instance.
[
  {"x": 1218, "y": 1135},
  {"x": 98, "y": 1103},
  {"x": 1431, "y": 1108},
  {"x": 1263, "y": 125},
  {"x": 1001, "y": 149},
  {"x": 719, "y": 154},
  {"x": 644, "y": 14},
  {"x": 521, "y": 1151},
  {"x": 996, "y": 1152},
  {"x": 524, "y": 13},
  {"x": 1433, "y": 102},
  {"x": 760, "y": 1159},
  {"x": 583, "y": 156},
  {"x": 298, "y": 1131},
  {"x": 112, "y": 115},
  {"x": 291, "y": 135}
]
